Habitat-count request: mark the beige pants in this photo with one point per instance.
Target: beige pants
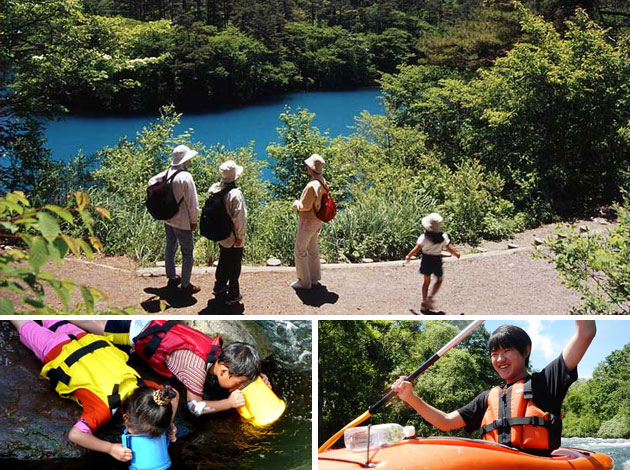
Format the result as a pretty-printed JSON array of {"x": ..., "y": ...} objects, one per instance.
[{"x": 307, "y": 251}]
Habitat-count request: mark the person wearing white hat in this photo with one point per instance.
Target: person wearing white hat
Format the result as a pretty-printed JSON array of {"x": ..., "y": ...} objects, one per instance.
[
  {"x": 231, "y": 249},
  {"x": 307, "y": 263},
  {"x": 431, "y": 243},
  {"x": 180, "y": 227}
]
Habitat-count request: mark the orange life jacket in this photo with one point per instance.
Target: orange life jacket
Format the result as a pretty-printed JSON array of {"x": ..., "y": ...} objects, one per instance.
[{"x": 513, "y": 419}]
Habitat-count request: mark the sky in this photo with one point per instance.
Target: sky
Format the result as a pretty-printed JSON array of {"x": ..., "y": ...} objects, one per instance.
[{"x": 550, "y": 336}]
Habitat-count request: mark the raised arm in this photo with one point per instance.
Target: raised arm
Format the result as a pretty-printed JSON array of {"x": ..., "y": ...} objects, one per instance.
[{"x": 579, "y": 343}]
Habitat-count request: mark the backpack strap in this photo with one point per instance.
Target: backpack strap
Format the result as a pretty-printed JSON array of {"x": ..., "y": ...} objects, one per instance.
[{"x": 169, "y": 180}]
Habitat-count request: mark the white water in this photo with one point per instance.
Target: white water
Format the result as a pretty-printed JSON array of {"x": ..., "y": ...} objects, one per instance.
[
  {"x": 617, "y": 449},
  {"x": 292, "y": 340}
]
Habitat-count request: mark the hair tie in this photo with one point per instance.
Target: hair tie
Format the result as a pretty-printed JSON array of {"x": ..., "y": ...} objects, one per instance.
[{"x": 158, "y": 399}]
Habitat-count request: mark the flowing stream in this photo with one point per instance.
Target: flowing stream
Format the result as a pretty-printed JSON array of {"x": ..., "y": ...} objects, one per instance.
[{"x": 617, "y": 449}]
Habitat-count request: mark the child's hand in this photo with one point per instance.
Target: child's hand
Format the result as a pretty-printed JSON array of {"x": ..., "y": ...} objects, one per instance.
[
  {"x": 266, "y": 380},
  {"x": 236, "y": 399},
  {"x": 121, "y": 453},
  {"x": 403, "y": 388},
  {"x": 172, "y": 433}
]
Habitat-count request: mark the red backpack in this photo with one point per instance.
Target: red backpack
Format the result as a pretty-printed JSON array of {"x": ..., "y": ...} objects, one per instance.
[{"x": 328, "y": 208}]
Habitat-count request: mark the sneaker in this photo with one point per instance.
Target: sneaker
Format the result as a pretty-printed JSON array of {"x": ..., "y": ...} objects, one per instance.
[
  {"x": 173, "y": 283},
  {"x": 189, "y": 290},
  {"x": 298, "y": 285},
  {"x": 234, "y": 300}
]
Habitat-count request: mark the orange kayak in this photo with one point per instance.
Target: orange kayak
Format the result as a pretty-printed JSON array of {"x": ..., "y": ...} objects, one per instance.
[{"x": 446, "y": 453}]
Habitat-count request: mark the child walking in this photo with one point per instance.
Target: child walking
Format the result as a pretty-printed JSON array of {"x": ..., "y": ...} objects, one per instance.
[
  {"x": 90, "y": 370},
  {"x": 431, "y": 242}
]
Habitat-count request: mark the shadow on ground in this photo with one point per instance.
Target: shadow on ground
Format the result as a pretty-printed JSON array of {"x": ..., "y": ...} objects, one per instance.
[
  {"x": 317, "y": 296},
  {"x": 218, "y": 307},
  {"x": 170, "y": 297}
]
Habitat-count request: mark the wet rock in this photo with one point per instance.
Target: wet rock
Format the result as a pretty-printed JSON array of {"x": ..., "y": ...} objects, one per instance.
[{"x": 247, "y": 331}]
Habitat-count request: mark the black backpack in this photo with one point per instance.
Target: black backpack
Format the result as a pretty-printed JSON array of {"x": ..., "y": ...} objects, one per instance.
[
  {"x": 215, "y": 223},
  {"x": 161, "y": 202}
]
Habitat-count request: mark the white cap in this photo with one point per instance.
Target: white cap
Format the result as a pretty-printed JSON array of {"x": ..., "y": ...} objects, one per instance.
[{"x": 409, "y": 431}]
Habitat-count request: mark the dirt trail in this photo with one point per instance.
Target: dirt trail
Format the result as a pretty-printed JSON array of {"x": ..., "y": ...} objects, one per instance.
[{"x": 496, "y": 282}]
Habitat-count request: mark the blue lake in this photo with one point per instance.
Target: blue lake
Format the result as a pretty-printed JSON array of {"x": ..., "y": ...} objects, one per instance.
[{"x": 232, "y": 127}]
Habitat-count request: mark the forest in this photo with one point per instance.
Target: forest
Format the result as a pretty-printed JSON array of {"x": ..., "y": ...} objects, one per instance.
[
  {"x": 499, "y": 115},
  {"x": 359, "y": 360}
]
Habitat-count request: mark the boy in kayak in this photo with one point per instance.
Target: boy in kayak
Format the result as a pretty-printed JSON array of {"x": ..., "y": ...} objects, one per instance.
[
  {"x": 174, "y": 349},
  {"x": 524, "y": 411}
]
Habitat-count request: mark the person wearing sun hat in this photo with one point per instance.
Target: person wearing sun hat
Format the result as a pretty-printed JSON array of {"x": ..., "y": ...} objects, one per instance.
[
  {"x": 231, "y": 249},
  {"x": 180, "y": 227},
  {"x": 307, "y": 261},
  {"x": 431, "y": 243}
]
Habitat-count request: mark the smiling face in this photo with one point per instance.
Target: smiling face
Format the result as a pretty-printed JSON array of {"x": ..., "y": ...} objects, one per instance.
[{"x": 509, "y": 363}]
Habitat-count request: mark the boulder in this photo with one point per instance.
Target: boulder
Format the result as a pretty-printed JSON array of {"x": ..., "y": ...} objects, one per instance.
[{"x": 247, "y": 331}]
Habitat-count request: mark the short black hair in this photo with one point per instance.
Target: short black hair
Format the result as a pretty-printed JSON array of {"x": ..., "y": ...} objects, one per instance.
[
  {"x": 241, "y": 359},
  {"x": 511, "y": 336}
]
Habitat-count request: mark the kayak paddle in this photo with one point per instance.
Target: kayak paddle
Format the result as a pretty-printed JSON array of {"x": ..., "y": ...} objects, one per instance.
[{"x": 374, "y": 408}]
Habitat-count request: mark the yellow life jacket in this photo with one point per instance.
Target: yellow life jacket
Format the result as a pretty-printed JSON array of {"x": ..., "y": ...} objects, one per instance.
[
  {"x": 93, "y": 363},
  {"x": 513, "y": 419}
]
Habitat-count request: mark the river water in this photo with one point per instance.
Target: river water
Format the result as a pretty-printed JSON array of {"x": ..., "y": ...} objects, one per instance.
[
  {"x": 617, "y": 449},
  {"x": 224, "y": 441},
  {"x": 232, "y": 127}
]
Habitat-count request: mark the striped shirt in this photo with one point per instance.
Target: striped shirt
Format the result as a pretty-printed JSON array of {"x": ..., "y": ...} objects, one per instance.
[{"x": 189, "y": 369}]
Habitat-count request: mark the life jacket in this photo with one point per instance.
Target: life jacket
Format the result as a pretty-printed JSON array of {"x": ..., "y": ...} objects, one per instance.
[
  {"x": 161, "y": 337},
  {"x": 91, "y": 362},
  {"x": 513, "y": 419}
]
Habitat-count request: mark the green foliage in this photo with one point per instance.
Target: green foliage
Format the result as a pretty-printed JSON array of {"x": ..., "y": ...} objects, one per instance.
[
  {"x": 595, "y": 265},
  {"x": 550, "y": 117},
  {"x": 359, "y": 361},
  {"x": 600, "y": 407},
  {"x": 38, "y": 236}
]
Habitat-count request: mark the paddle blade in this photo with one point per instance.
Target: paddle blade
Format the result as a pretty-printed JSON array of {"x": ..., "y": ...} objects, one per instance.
[{"x": 326, "y": 445}]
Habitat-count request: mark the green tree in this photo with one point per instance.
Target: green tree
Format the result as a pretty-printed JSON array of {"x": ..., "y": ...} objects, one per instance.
[{"x": 595, "y": 265}]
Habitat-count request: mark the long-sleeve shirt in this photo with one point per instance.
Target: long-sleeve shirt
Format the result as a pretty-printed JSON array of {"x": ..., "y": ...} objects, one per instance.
[
  {"x": 311, "y": 198},
  {"x": 237, "y": 210},
  {"x": 183, "y": 186}
]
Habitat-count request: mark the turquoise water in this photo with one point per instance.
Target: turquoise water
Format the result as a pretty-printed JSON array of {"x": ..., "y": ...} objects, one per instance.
[
  {"x": 617, "y": 449},
  {"x": 233, "y": 127}
]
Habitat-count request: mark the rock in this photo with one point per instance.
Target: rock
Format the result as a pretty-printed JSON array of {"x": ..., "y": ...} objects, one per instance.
[
  {"x": 215, "y": 263},
  {"x": 446, "y": 254},
  {"x": 512, "y": 246},
  {"x": 538, "y": 241},
  {"x": 273, "y": 262},
  {"x": 482, "y": 250},
  {"x": 604, "y": 222},
  {"x": 322, "y": 261},
  {"x": 583, "y": 228},
  {"x": 563, "y": 236},
  {"x": 160, "y": 264},
  {"x": 367, "y": 260},
  {"x": 231, "y": 331},
  {"x": 414, "y": 257}
]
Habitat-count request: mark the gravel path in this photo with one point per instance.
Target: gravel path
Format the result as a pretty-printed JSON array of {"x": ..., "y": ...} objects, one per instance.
[{"x": 496, "y": 282}]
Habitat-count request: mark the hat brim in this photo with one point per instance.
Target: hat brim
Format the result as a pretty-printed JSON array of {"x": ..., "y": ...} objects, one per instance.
[{"x": 186, "y": 158}]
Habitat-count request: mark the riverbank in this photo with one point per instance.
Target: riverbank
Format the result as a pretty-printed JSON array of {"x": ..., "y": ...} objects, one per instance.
[{"x": 493, "y": 280}]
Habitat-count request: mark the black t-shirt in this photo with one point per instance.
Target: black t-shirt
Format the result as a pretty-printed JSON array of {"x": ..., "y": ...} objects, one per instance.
[{"x": 549, "y": 387}]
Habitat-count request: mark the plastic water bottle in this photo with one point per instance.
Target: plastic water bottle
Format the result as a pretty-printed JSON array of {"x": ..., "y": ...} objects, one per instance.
[{"x": 356, "y": 439}]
